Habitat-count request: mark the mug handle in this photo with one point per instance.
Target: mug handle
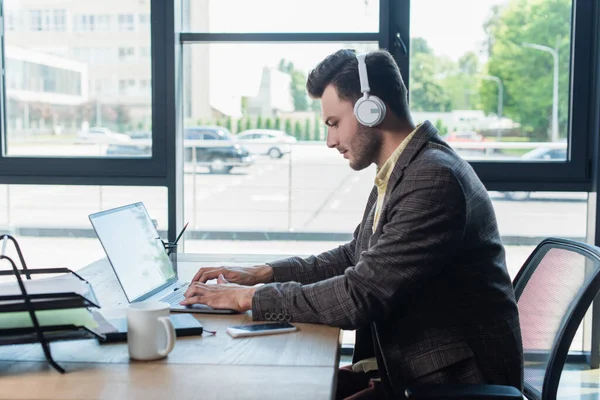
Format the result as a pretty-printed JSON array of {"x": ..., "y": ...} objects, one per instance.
[{"x": 170, "y": 331}]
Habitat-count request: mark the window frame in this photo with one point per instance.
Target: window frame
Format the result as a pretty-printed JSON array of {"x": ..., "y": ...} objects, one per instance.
[
  {"x": 575, "y": 174},
  {"x": 152, "y": 171}
]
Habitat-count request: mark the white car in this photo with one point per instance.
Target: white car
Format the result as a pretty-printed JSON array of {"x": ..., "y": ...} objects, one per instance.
[
  {"x": 269, "y": 142},
  {"x": 102, "y": 135}
]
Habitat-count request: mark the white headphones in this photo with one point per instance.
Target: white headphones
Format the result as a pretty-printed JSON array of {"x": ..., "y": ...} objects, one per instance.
[{"x": 368, "y": 110}]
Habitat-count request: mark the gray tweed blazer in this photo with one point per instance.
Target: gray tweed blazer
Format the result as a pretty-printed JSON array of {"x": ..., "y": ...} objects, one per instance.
[{"x": 428, "y": 292}]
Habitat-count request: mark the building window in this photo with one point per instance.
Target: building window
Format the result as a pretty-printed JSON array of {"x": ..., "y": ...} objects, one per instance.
[
  {"x": 126, "y": 22},
  {"x": 35, "y": 20},
  {"x": 126, "y": 53},
  {"x": 91, "y": 23}
]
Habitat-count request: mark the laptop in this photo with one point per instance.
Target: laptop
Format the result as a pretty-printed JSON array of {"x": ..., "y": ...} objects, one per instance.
[{"x": 138, "y": 257}]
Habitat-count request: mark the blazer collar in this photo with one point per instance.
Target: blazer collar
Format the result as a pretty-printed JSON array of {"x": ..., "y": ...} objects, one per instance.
[{"x": 424, "y": 134}]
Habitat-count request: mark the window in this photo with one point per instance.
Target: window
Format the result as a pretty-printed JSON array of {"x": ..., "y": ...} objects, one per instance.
[
  {"x": 92, "y": 23},
  {"x": 279, "y": 195},
  {"x": 53, "y": 100},
  {"x": 144, "y": 21},
  {"x": 126, "y": 54},
  {"x": 61, "y": 221},
  {"x": 497, "y": 83},
  {"x": 274, "y": 16},
  {"x": 126, "y": 22}
]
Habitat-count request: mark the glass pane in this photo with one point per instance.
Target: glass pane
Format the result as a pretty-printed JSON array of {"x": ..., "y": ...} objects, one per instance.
[
  {"x": 56, "y": 232},
  {"x": 280, "y": 179},
  {"x": 235, "y": 16},
  {"x": 495, "y": 80},
  {"x": 78, "y": 78}
]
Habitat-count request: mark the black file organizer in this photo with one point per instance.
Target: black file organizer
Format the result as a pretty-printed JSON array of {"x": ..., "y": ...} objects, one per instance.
[{"x": 38, "y": 302}]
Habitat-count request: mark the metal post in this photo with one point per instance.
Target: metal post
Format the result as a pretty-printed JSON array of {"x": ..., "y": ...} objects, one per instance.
[
  {"x": 554, "y": 53},
  {"x": 194, "y": 161},
  {"x": 8, "y": 223},
  {"x": 500, "y": 97},
  {"x": 290, "y": 187}
]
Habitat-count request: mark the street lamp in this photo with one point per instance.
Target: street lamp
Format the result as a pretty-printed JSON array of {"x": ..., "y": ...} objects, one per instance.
[
  {"x": 555, "y": 85},
  {"x": 500, "y": 96}
]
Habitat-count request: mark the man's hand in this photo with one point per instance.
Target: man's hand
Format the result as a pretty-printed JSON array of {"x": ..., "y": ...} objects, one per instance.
[
  {"x": 248, "y": 276},
  {"x": 223, "y": 295}
]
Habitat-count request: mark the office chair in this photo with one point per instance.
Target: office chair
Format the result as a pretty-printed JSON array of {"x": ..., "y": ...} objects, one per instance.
[{"x": 554, "y": 289}]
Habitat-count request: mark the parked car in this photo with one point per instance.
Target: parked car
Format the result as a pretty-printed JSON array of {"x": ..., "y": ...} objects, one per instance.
[
  {"x": 273, "y": 143},
  {"x": 539, "y": 154},
  {"x": 213, "y": 147},
  {"x": 101, "y": 135},
  {"x": 217, "y": 149}
]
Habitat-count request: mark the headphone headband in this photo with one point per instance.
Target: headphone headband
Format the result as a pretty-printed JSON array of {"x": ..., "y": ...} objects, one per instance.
[{"x": 362, "y": 73}]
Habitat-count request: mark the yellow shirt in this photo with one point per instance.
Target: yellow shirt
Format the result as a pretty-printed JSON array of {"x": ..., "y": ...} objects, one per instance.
[{"x": 384, "y": 173}]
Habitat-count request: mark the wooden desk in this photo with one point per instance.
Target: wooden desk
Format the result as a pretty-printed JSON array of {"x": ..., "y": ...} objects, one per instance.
[{"x": 299, "y": 365}]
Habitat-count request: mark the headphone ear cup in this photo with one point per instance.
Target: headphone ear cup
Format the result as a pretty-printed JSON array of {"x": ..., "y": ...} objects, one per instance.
[{"x": 369, "y": 111}]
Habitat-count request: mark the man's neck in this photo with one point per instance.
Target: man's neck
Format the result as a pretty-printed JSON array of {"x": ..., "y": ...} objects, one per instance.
[{"x": 391, "y": 141}]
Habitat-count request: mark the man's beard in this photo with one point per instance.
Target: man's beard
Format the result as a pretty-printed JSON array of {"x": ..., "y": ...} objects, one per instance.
[{"x": 366, "y": 147}]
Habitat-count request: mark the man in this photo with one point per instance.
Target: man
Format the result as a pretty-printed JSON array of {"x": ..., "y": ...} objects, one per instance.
[{"x": 424, "y": 280}]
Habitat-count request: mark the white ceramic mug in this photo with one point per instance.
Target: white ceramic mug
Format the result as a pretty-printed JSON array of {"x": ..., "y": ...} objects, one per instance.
[{"x": 150, "y": 332}]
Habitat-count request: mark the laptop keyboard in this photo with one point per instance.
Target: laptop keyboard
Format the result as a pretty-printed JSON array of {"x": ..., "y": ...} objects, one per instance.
[{"x": 176, "y": 296}]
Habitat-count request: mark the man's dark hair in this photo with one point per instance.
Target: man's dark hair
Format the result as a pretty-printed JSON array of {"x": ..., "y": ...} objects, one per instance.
[{"x": 340, "y": 69}]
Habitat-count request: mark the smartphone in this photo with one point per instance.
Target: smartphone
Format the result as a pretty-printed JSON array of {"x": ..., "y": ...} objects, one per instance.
[{"x": 260, "y": 329}]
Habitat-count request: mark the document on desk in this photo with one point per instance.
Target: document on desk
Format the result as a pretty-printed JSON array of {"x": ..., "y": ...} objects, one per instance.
[{"x": 67, "y": 283}]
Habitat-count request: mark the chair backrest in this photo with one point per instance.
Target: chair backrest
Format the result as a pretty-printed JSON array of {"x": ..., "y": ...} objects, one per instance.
[{"x": 554, "y": 289}]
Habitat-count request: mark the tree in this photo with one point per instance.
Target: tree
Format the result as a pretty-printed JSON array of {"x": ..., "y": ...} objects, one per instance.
[
  {"x": 239, "y": 128},
  {"x": 229, "y": 123},
  {"x": 426, "y": 92},
  {"x": 307, "y": 132},
  {"x": 269, "y": 124},
  {"x": 278, "y": 123},
  {"x": 526, "y": 73},
  {"x": 123, "y": 117},
  {"x": 298, "y": 130},
  {"x": 439, "y": 125},
  {"x": 248, "y": 123},
  {"x": 297, "y": 85},
  {"x": 288, "y": 127},
  {"x": 259, "y": 122},
  {"x": 317, "y": 129}
]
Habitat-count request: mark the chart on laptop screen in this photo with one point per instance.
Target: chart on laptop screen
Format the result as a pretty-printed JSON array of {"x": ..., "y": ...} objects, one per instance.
[{"x": 133, "y": 248}]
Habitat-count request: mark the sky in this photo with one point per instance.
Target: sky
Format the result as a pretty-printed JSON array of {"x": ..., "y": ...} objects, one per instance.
[{"x": 451, "y": 27}]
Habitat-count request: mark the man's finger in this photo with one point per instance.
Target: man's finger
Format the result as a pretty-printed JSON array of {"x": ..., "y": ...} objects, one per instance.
[
  {"x": 194, "y": 289},
  {"x": 191, "y": 300},
  {"x": 204, "y": 271}
]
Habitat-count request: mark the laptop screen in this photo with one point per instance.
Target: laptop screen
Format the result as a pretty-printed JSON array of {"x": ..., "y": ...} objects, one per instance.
[{"x": 134, "y": 249}]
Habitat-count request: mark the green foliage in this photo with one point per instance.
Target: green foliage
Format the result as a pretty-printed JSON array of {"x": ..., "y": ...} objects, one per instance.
[
  {"x": 238, "y": 127},
  {"x": 527, "y": 73},
  {"x": 297, "y": 85},
  {"x": 229, "y": 124},
  {"x": 318, "y": 129},
  {"x": 439, "y": 124},
  {"x": 269, "y": 123},
  {"x": 248, "y": 123},
  {"x": 298, "y": 130},
  {"x": 278, "y": 123},
  {"x": 259, "y": 122},
  {"x": 288, "y": 127},
  {"x": 307, "y": 132}
]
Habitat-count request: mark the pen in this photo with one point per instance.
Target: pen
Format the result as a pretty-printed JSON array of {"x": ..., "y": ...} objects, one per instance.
[{"x": 177, "y": 239}]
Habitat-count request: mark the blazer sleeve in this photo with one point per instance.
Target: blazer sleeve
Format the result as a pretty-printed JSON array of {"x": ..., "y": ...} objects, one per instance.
[
  {"x": 316, "y": 268},
  {"x": 425, "y": 223}
]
